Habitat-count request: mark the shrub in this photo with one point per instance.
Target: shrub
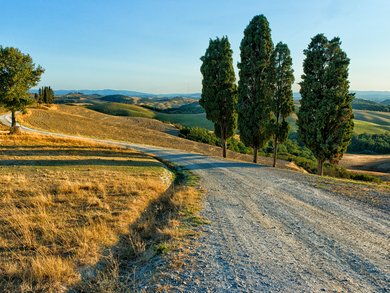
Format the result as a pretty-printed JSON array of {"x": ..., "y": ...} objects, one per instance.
[
  {"x": 199, "y": 134},
  {"x": 370, "y": 144}
]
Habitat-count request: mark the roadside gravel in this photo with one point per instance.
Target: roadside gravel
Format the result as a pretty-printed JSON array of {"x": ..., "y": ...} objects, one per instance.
[{"x": 273, "y": 230}]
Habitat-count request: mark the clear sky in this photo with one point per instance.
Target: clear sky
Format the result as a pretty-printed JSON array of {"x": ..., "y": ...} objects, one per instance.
[{"x": 154, "y": 45}]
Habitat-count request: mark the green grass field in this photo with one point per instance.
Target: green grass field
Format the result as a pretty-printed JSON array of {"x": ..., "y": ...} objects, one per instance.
[
  {"x": 119, "y": 109},
  {"x": 370, "y": 122},
  {"x": 189, "y": 120}
]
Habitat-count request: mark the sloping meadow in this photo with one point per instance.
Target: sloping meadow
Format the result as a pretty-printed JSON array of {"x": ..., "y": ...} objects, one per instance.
[{"x": 63, "y": 202}]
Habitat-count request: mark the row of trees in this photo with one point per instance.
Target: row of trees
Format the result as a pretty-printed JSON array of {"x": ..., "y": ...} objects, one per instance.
[
  {"x": 18, "y": 74},
  {"x": 45, "y": 95},
  {"x": 263, "y": 100}
]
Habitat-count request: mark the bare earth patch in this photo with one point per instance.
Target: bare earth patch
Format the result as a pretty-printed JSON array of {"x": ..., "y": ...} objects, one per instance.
[{"x": 378, "y": 165}]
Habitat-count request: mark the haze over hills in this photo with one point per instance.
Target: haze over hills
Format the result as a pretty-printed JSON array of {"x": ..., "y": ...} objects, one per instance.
[
  {"x": 376, "y": 96},
  {"x": 107, "y": 92}
]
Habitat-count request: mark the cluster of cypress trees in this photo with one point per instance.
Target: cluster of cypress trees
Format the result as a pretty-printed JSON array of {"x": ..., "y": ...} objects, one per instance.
[
  {"x": 263, "y": 99},
  {"x": 45, "y": 95}
]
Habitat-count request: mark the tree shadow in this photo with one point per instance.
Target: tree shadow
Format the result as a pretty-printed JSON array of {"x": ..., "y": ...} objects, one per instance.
[
  {"x": 69, "y": 152},
  {"x": 82, "y": 162}
]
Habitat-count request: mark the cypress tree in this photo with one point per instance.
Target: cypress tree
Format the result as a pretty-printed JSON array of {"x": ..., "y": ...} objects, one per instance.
[
  {"x": 282, "y": 102},
  {"x": 325, "y": 118},
  {"x": 219, "y": 90},
  {"x": 255, "y": 87}
]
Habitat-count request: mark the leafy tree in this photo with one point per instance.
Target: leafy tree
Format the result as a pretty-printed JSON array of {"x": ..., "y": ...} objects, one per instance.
[
  {"x": 18, "y": 74},
  {"x": 282, "y": 101},
  {"x": 325, "y": 118},
  {"x": 255, "y": 86},
  {"x": 219, "y": 91}
]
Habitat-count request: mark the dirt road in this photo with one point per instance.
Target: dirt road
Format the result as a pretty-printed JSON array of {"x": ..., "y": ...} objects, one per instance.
[{"x": 273, "y": 231}]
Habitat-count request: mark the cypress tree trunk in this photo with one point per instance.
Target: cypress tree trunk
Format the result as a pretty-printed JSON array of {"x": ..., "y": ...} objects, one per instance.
[
  {"x": 224, "y": 146},
  {"x": 320, "y": 167},
  {"x": 275, "y": 150},
  {"x": 255, "y": 151},
  {"x": 223, "y": 140}
]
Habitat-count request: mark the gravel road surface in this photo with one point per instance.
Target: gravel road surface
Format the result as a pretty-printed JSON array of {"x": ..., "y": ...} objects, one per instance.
[{"x": 272, "y": 231}]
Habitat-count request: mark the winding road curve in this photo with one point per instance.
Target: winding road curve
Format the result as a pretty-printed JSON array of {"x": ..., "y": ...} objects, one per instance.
[{"x": 272, "y": 231}]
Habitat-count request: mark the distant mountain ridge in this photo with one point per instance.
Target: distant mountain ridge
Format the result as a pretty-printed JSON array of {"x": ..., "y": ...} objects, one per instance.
[
  {"x": 376, "y": 96},
  {"x": 107, "y": 92}
]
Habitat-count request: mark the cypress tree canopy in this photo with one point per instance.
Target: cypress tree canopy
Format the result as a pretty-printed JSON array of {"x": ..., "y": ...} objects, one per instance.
[
  {"x": 219, "y": 91},
  {"x": 255, "y": 87},
  {"x": 282, "y": 101},
  {"x": 325, "y": 118}
]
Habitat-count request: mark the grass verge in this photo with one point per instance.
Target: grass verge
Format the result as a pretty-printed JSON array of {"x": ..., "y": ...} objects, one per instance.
[{"x": 71, "y": 209}]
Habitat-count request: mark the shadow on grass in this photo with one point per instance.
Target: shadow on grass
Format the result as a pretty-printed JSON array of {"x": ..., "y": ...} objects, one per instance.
[
  {"x": 134, "y": 252},
  {"x": 83, "y": 162},
  {"x": 69, "y": 152}
]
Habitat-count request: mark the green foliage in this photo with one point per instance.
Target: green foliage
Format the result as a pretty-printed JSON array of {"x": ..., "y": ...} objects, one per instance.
[
  {"x": 45, "y": 95},
  {"x": 340, "y": 172},
  {"x": 206, "y": 136},
  {"x": 282, "y": 101},
  {"x": 219, "y": 91},
  {"x": 199, "y": 134},
  {"x": 325, "y": 118},
  {"x": 370, "y": 144},
  {"x": 289, "y": 150},
  {"x": 361, "y": 104},
  {"x": 255, "y": 86},
  {"x": 18, "y": 74}
]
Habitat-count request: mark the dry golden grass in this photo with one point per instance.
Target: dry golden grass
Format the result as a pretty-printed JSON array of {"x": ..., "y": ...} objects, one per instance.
[
  {"x": 63, "y": 203},
  {"x": 77, "y": 120}
]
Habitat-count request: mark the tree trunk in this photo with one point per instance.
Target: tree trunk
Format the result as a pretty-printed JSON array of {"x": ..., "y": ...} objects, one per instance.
[
  {"x": 275, "y": 150},
  {"x": 13, "y": 122},
  {"x": 223, "y": 140},
  {"x": 224, "y": 147},
  {"x": 13, "y": 119},
  {"x": 320, "y": 167},
  {"x": 255, "y": 151}
]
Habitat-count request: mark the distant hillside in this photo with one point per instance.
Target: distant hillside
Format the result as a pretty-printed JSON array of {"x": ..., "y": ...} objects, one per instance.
[
  {"x": 361, "y": 104},
  {"x": 192, "y": 108},
  {"x": 107, "y": 92},
  {"x": 375, "y": 96},
  {"x": 386, "y": 102}
]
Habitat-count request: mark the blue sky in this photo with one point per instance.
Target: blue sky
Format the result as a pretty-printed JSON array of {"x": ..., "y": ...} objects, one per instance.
[{"x": 154, "y": 45}]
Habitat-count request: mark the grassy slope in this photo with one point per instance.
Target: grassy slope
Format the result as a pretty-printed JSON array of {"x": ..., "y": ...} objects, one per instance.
[
  {"x": 119, "y": 109},
  {"x": 189, "y": 120},
  {"x": 371, "y": 122},
  {"x": 57, "y": 200},
  {"x": 365, "y": 121},
  {"x": 80, "y": 121}
]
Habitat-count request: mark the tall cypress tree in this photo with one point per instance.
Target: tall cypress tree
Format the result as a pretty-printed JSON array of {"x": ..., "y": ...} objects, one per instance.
[
  {"x": 255, "y": 87},
  {"x": 219, "y": 91},
  {"x": 325, "y": 118},
  {"x": 282, "y": 101}
]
